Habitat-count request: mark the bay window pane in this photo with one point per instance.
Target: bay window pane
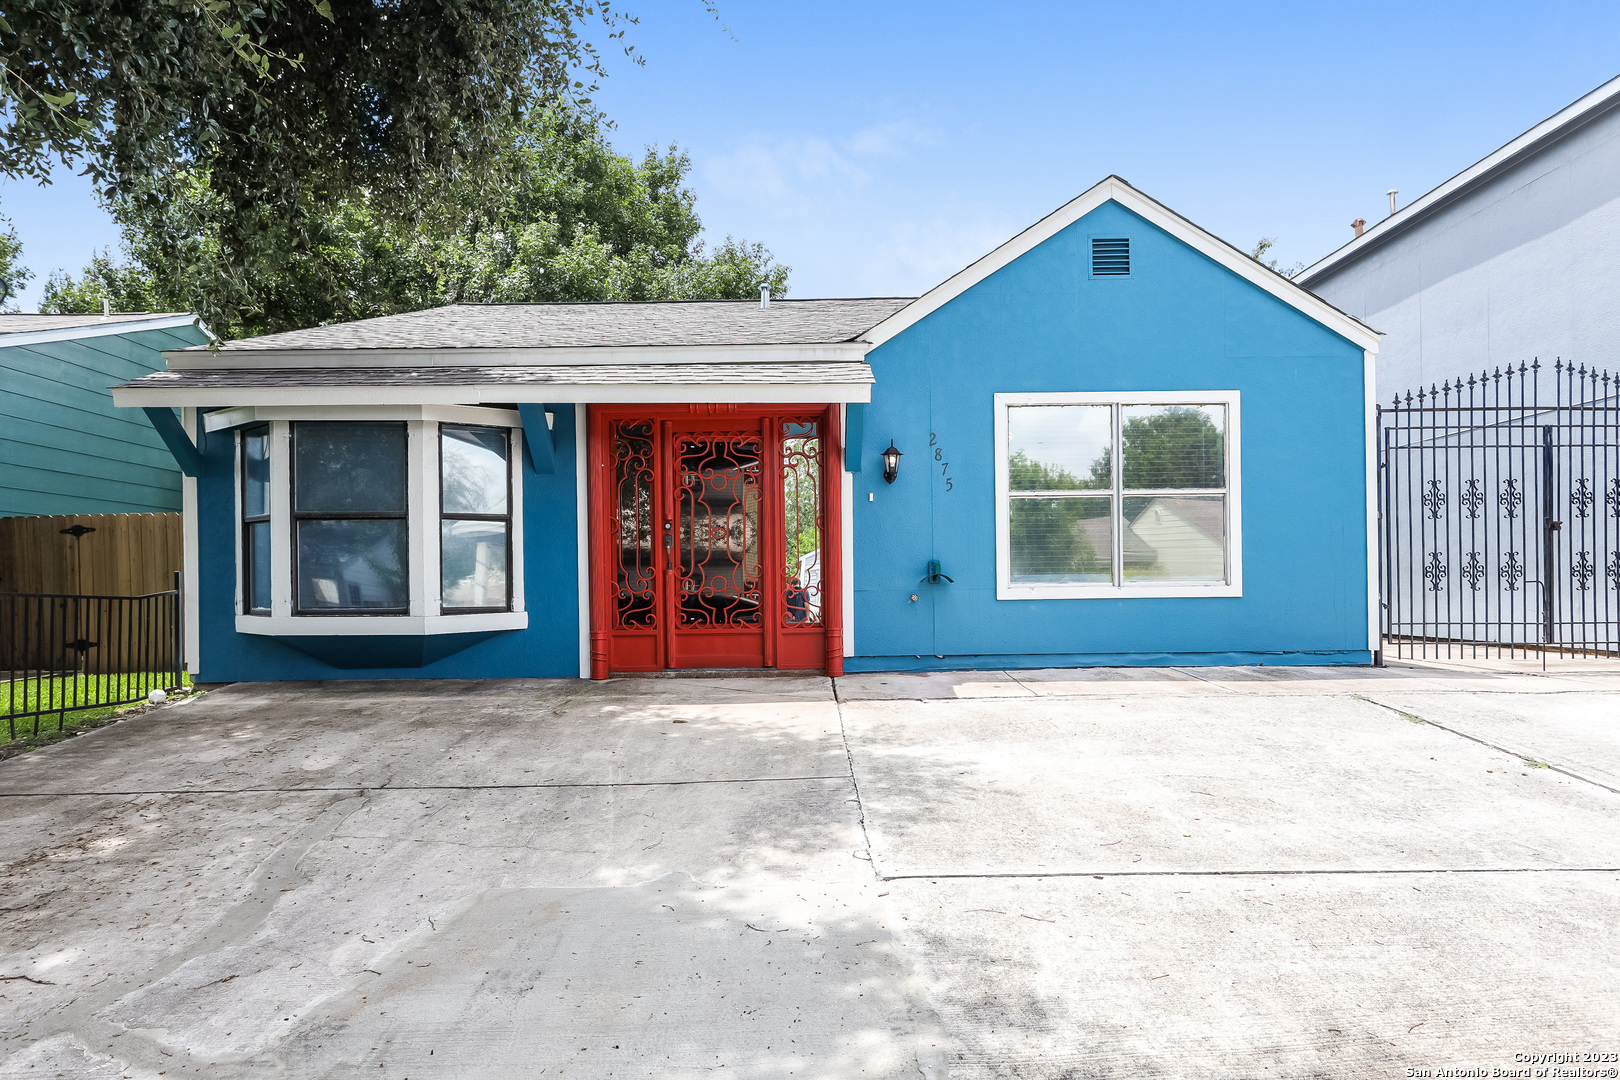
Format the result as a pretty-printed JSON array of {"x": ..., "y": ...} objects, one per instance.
[
  {"x": 473, "y": 562},
  {"x": 351, "y": 565},
  {"x": 473, "y": 467},
  {"x": 348, "y": 468},
  {"x": 1173, "y": 446},
  {"x": 256, "y": 473},
  {"x": 1060, "y": 447},
  {"x": 1183, "y": 538},
  {"x": 1061, "y": 540},
  {"x": 258, "y": 568}
]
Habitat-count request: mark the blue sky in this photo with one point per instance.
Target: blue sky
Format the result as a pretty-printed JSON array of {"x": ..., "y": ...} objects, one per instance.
[{"x": 878, "y": 147}]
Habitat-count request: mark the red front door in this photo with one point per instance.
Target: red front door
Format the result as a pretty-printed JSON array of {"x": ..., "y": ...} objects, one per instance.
[{"x": 713, "y": 538}]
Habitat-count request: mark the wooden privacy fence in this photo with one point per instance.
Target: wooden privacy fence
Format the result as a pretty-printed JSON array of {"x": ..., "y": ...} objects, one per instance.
[
  {"x": 90, "y": 554},
  {"x": 89, "y": 593}
]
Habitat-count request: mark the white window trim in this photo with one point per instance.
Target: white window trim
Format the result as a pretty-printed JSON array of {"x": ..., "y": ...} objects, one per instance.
[
  {"x": 422, "y": 508},
  {"x": 1233, "y": 586}
]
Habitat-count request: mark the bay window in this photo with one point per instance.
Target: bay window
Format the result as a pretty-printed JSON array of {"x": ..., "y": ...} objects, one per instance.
[
  {"x": 348, "y": 509},
  {"x": 475, "y": 518},
  {"x": 256, "y": 520},
  {"x": 378, "y": 520},
  {"x": 1117, "y": 495}
]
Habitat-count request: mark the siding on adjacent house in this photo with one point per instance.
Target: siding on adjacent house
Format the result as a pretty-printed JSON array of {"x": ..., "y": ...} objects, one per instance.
[{"x": 64, "y": 447}]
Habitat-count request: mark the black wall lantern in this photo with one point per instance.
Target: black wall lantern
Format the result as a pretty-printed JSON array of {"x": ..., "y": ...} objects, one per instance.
[{"x": 891, "y": 463}]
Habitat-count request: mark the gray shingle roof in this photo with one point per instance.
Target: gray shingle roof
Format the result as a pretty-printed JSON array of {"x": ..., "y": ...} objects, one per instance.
[
  {"x": 27, "y": 324},
  {"x": 798, "y": 372},
  {"x": 550, "y": 326}
]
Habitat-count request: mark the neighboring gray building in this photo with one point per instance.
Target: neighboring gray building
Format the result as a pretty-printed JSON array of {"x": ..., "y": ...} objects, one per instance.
[{"x": 1516, "y": 257}]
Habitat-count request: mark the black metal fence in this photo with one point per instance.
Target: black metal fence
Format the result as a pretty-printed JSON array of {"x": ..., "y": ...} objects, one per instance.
[
  {"x": 60, "y": 654},
  {"x": 1499, "y": 499}
]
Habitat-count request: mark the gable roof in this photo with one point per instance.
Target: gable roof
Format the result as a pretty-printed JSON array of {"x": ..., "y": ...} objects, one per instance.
[
  {"x": 1117, "y": 190},
  {"x": 1556, "y": 127},
  {"x": 640, "y": 325}
]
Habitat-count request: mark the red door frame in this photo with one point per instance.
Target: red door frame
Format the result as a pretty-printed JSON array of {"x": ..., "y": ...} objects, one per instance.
[{"x": 780, "y": 646}]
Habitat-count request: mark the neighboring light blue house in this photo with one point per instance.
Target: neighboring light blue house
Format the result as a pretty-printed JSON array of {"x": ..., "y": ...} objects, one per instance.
[
  {"x": 64, "y": 447},
  {"x": 1113, "y": 440},
  {"x": 1512, "y": 259}
]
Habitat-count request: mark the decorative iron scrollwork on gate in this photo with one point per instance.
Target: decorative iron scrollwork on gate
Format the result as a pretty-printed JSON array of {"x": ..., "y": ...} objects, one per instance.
[
  {"x": 1434, "y": 499},
  {"x": 1546, "y": 441},
  {"x": 1581, "y": 497},
  {"x": 1435, "y": 571},
  {"x": 1512, "y": 571},
  {"x": 1510, "y": 498},
  {"x": 1581, "y": 570}
]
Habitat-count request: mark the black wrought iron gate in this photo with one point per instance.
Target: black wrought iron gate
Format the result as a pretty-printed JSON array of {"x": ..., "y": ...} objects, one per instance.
[{"x": 1499, "y": 506}]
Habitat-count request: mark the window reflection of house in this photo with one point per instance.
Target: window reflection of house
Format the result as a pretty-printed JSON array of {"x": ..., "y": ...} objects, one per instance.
[{"x": 1183, "y": 539}]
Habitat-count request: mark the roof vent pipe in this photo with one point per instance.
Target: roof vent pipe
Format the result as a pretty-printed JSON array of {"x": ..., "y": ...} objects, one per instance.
[
  {"x": 1392, "y": 193},
  {"x": 764, "y": 296},
  {"x": 1360, "y": 225},
  {"x": 106, "y": 307}
]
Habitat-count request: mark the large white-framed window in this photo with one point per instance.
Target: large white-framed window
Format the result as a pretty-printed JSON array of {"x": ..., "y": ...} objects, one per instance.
[
  {"x": 1118, "y": 495},
  {"x": 379, "y": 520}
]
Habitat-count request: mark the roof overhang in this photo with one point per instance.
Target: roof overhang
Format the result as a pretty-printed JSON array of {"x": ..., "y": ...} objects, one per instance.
[
  {"x": 1116, "y": 190},
  {"x": 202, "y": 358},
  {"x": 114, "y": 324},
  {"x": 1559, "y": 126},
  {"x": 845, "y": 381}
]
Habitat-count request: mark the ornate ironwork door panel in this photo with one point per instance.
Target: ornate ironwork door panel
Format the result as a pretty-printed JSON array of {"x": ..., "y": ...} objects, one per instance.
[
  {"x": 718, "y": 592},
  {"x": 1497, "y": 535},
  {"x": 708, "y": 539}
]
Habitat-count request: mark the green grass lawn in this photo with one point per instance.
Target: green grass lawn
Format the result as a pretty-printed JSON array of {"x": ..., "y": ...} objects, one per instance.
[{"x": 76, "y": 703}]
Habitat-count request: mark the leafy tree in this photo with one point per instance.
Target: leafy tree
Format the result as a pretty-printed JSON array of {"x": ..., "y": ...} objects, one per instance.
[
  {"x": 13, "y": 274},
  {"x": 570, "y": 220},
  {"x": 1176, "y": 447},
  {"x": 283, "y": 109},
  {"x": 1047, "y": 536},
  {"x": 123, "y": 288},
  {"x": 1265, "y": 244}
]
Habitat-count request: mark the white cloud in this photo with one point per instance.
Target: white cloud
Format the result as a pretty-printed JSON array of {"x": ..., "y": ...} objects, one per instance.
[{"x": 917, "y": 254}]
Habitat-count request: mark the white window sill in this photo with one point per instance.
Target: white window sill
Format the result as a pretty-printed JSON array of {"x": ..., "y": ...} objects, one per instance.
[
  {"x": 379, "y": 625},
  {"x": 1113, "y": 592}
]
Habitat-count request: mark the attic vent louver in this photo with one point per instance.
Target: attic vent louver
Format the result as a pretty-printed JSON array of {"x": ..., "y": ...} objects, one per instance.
[{"x": 1110, "y": 256}]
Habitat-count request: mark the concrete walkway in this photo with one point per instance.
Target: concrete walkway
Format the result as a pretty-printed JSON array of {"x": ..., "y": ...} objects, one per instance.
[{"x": 1102, "y": 873}]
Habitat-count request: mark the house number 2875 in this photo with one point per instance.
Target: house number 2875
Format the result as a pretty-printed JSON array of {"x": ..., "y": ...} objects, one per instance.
[{"x": 939, "y": 459}]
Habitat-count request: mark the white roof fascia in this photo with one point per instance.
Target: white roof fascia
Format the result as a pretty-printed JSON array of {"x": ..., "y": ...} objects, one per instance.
[
  {"x": 1550, "y": 130},
  {"x": 582, "y": 356},
  {"x": 547, "y": 394},
  {"x": 1117, "y": 190},
  {"x": 114, "y": 325}
]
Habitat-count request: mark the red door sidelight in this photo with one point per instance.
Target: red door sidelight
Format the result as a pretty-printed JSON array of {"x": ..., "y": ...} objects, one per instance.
[{"x": 715, "y": 538}]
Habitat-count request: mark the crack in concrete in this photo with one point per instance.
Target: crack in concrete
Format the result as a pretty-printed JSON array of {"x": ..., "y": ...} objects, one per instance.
[
  {"x": 367, "y": 789},
  {"x": 860, "y": 805},
  {"x": 1402, "y": 713},
  {"x": 278, "y": 872}
]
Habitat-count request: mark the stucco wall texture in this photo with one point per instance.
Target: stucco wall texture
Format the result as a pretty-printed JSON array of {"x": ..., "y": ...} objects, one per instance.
[
  {"x": 1524, "y": 266},
  {"x": 1179, "y": 322}
]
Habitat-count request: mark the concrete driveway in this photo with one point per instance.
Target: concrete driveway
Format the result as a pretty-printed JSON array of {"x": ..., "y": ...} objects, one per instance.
[{"x": 1107, "y": 873}]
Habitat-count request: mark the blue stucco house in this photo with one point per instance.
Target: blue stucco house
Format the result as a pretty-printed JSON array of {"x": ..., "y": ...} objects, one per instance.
[
  {"x": 1113, "y": 440},
  {"x": 64, "y": 447}
]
